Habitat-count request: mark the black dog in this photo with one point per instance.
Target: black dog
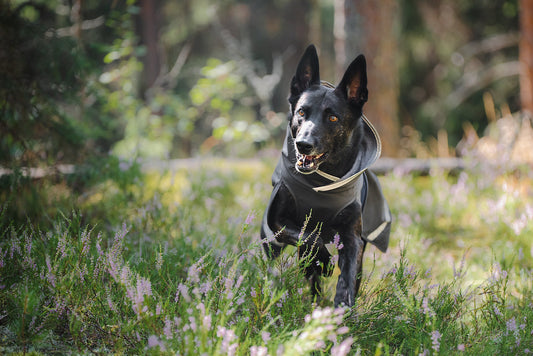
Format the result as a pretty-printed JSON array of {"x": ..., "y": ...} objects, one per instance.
[{"x": 321, "y": 182}]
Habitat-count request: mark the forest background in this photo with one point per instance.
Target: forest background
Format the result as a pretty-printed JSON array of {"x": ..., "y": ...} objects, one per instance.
[{"x": 165, "y": 79}]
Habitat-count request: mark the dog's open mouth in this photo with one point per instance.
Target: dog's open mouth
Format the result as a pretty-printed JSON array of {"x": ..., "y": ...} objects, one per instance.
[{"x": 308, "y": 163}]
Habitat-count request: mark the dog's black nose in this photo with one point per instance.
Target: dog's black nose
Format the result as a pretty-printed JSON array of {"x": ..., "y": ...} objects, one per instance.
[{"x": 304, "y": 147}]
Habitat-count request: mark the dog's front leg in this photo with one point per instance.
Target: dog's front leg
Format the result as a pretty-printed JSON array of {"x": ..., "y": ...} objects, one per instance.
[{"x": 350, "y": 261}]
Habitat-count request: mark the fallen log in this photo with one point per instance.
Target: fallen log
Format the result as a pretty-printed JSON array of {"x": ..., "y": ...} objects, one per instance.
[
  {"x": 415, "y": 165},
  {"x": 383, "y": 166}
]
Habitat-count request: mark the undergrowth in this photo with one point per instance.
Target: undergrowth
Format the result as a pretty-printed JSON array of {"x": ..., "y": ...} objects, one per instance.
[{"x": 172, "y": 264}]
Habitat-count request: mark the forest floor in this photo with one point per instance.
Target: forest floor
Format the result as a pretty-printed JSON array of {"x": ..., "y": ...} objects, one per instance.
[{"x": 171, "y": 262}]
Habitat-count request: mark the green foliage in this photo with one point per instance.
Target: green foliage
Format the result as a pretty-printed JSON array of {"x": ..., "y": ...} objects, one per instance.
[
  {"x": 210, "y": 116},
  {"x": 34, "y": 93},
  {"x": 218, "y": 97},
  {"x": 84, "y": 96},
  {"x": 441, "y": 54},
  {"x": 171, "y": 261}
]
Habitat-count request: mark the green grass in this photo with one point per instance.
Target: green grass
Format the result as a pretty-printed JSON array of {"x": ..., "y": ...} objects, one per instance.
[{"x": 172, "y": 263}]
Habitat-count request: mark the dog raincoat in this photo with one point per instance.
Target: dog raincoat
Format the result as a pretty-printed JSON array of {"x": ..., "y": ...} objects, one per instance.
[{"x": 325, "y": 196}]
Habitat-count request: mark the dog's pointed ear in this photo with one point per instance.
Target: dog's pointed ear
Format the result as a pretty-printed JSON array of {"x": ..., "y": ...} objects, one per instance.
[
  {"x": 353, "y": 83},
  {"x": 307, "y": 74}
]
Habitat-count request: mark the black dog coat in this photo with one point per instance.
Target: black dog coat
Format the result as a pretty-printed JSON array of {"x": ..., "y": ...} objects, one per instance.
[{"x": 323, "y": 196}]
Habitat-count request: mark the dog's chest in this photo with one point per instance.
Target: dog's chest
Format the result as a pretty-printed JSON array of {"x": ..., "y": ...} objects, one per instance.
[
  {"x": 323, "y": 206},
  {"x": 319, "y": 206}
]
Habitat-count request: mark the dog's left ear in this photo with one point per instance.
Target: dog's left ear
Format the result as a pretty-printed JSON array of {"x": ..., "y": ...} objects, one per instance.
[
  {"x": 307, "y": 74},
  {"x": 353, "y": 83}
]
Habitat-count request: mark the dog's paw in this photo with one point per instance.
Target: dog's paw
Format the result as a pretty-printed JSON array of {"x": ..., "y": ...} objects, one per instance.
[
  {"x": 344, "y": 302},
  {"x": 345, "y": 296}
]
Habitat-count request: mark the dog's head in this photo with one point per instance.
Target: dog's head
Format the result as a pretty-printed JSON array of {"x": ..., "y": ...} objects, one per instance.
[{"x": 326, "y": 122}]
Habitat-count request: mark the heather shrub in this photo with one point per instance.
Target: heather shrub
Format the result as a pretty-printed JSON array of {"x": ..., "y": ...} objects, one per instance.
[{"x": 171, "y": 263}]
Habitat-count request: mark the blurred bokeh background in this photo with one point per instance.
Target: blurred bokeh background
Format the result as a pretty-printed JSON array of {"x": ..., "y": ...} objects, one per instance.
[
  {"x": 142, "y": 134},
  {"x": 83, "y": 80}
]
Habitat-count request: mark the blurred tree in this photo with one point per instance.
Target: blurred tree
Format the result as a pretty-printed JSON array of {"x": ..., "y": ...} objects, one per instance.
[
  {"x": 149, "y": 21},
  {"x": 132, "y": 70},
  {"x": 526, "y": 55},
  {"x": 40, "y": 74},
  {"x": 279, "y": 28},
  {"x": 452, "y": 52},
  {"x": 371, "y": 28},
  {"x": 54, "y": 107}
]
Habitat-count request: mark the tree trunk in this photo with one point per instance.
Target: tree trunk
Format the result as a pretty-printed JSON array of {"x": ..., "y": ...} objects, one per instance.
[
  {"x": 149, "y": 34},
  {"x": 370, "y": 28},
  {"x": 283, "y": 25},
  {"x": 526, "y": 55}
]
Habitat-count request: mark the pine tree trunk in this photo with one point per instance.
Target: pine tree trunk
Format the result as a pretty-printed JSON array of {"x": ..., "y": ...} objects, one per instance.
[
  {"x": 370, "y": 28},
  {"x": 526, "y": 55},
  {"x": 149, "y": 33}
]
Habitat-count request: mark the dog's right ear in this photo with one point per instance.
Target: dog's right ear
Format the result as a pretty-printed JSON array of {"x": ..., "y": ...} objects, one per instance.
[
  {"x": 353, "y": 84},
  {"x": 307, "y": 74}
]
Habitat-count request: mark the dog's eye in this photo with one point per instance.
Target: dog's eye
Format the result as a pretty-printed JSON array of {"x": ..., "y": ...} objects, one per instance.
[
  {"x": 301, "y": 113},
  {"x": 333, "y": 118}
]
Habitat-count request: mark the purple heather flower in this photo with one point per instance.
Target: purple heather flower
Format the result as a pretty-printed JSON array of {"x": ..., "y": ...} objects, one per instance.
[
  {"x": 458, "y": 273},
  {"x": 143, "y": 288},
  {"x": 184, "y": 291},
  {"x": 28, "y": 243},
  {"x": 82, "y": 271},
  {"x": 206, "y": 322},
  {"x": 50, "y": 276},
  {"x": 425, "y": 307},
  {"x": 15, "y": 247},
  {"x": 250, "y": 218},
  {"x": 113, "y": 268},
  {"x": 159, "y": 261},
  {"x": 435, "y": 340},
  {"x": 110, "y": 303},
  {"x": 2, "y": 255},
  {"x": 85, "y": 236},
  {"x": 334, "y": 259},
  {"x": 192, "y": 323},
  {"x": 336, "y": 239},
  {"x": 98, "y": 247},
  {"x": 205, "y": 287},
  {"x": 153, "y": 341},
  {"x": 125, "y": 275},
  {"x": 265, "y": 335},
  {"x": 227, "y": 336},
  {"x": 239, "y": 281},
  {"x": 497, "y": 311},
  {"x": 343, "y": 348},
  {"x": 511, "y": 325},
  {"x": 167, "y": 329},
  {"x": 258, "y": 351}
]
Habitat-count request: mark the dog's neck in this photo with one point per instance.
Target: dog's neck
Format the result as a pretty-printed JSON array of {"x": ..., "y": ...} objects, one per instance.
[{"x": 346, "y": 157}]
